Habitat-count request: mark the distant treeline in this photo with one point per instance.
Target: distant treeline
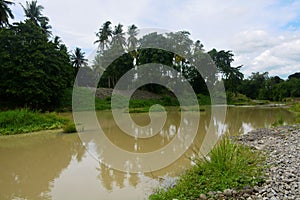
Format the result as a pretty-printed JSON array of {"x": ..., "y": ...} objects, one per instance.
[{"x": 262, "y": 86}]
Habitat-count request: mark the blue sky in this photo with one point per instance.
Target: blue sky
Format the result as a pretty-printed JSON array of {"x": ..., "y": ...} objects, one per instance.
[{"x": 264, "y": 35}]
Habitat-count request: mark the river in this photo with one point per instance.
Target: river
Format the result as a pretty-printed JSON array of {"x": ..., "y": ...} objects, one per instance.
[{"x": 52, "y": 165}]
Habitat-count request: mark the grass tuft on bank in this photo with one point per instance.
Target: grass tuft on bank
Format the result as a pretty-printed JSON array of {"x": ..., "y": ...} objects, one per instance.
[
  {"x": 229, "y": 165},
  {"x": 296, "y": 110},
  {"x": 24, "y": 121}
]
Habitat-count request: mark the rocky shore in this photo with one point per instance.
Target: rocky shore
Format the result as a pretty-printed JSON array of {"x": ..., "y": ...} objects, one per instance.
[{"x": 282, "y": 148}]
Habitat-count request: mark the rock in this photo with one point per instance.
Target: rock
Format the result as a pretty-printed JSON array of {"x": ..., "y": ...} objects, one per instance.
[
  {"x": 203, "y": 197},
  {"x": 281, "y": 147},
  {"x": 211, "y": 193},
  {"x": 227, "y": 192}
]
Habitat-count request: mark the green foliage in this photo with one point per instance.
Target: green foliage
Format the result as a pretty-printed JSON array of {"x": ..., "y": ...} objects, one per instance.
[
  {"x": 159, "y": 48},
  {"x": 101, "y": 104},
  {"x": 69, "y": 128},
  {"x": 230, "y": 165},
  {"x": 65, "y": 104},
  {"x": 279, "y": 121},
  {"x": 238, "y": 99},
  {"x": 139, "y": 105},
  {"x": 24, "y": 121},
  {"x": 203, "y": 99},
  {"x": 33, "y": 71},
  {"x": 78, "y": 59},
  {"x": 5, "y": 12},
  {"x": 261, "y": 86},
  {"x": 296, "y": 110}
]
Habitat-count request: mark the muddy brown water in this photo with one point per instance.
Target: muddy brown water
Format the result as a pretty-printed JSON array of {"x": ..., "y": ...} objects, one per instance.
[{"x": 52, "y": 165}]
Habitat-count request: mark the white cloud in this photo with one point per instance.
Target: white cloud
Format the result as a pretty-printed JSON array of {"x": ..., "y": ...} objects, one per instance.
[
  {"x": 258, "y": 32},
  {"x": 261, "y": 51}
]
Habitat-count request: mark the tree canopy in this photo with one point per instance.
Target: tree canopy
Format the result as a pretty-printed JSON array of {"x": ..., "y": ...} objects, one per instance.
[
  {"x": 5, "y": 12},
  {"x": 33, "y": 71}
]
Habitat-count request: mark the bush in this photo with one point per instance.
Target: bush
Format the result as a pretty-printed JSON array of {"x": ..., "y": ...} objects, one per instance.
[
  {"x": 69, "y": 128},
  {"x": 24, "y": 121},
  {"x": 229, "y": 165},
  {"x": 203, "y": 99}
]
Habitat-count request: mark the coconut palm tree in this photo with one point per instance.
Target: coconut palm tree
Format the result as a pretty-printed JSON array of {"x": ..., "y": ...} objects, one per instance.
[
  {"x": 57, "y": 41},
  {"x": 59, "y": 45},
  {"x": 132, "y": 40},
  {"x": 103, "y": 35},
  {"x": 5, "y": 12},
  {"x": 118, "y": 38},
  {"x": 33, "y": 12},
  {"x": 78, "y": 60},
  {"x": 46, "y": 27}
]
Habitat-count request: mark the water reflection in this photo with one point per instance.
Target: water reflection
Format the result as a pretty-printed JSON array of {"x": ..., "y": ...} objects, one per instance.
[
  {"x": 56, "y": 166},
  {"x": 29, "y": 164}
]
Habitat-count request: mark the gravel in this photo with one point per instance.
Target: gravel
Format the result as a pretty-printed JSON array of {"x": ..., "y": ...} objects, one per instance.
[{"x": 282, "y": 148}]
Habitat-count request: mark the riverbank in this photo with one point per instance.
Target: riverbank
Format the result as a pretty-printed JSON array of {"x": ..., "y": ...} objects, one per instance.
[{"x": 281, "y": 146}]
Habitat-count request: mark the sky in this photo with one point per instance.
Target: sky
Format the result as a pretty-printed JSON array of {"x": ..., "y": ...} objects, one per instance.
[{"x": 264, "y": 35}]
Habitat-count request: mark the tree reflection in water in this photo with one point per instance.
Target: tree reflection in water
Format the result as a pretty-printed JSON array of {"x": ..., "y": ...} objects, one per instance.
[{"x": 29, "y": 163}]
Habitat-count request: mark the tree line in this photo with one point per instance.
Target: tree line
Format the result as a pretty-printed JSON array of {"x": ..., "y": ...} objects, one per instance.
[
  {"x": 265, "y": 87},
  {"x": 37, "y": 68},
  {"x": 126, "y": 52}
]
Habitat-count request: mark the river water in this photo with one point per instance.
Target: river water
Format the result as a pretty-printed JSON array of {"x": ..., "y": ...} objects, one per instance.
[{"x": 52, "y": 165}]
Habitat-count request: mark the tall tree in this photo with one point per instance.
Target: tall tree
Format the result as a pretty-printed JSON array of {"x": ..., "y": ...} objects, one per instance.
[
  {"x": 103, "y": 35},
  {"x": 118, "y": 38},
  {"x": 33, "y": 12},
  {"x": 132, "y": 40},
  {"x": 33, "y": 72},
  {"x": 5, "y": 12},
  {"x": 78, "y": 60},
  {"x": 46, "y": 27},
  {"x": 234, "y": 79}
]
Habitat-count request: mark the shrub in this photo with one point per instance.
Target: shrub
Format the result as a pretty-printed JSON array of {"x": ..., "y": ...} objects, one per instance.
[
  {"x": 69, "y": 128},
  {"x": 24, "y": 121}
]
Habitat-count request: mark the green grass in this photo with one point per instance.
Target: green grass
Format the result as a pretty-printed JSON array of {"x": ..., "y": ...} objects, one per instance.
[
  {"x": 69, "y": 128},
  {"x": 279, "y": 121},
  {"x": 24, "y": 121},
  {"x": 231, "y": 165},
  {"x": 135, "y": 105},
  {"x": 296, "y": 110}
]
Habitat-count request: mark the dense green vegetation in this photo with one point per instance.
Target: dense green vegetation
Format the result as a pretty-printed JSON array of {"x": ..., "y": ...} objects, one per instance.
[
  {"x": 24, "y": 121},
  {"x": 69, "y": 128},
  {"x": 229, "y": 165},
  {"x": 34, "y": 70},
  {"x": 261, "y": 86},
  {"x": 138, "y": 105},
  {"x": 135, "y": 52},
  {"x": 296, "y": 109}
]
